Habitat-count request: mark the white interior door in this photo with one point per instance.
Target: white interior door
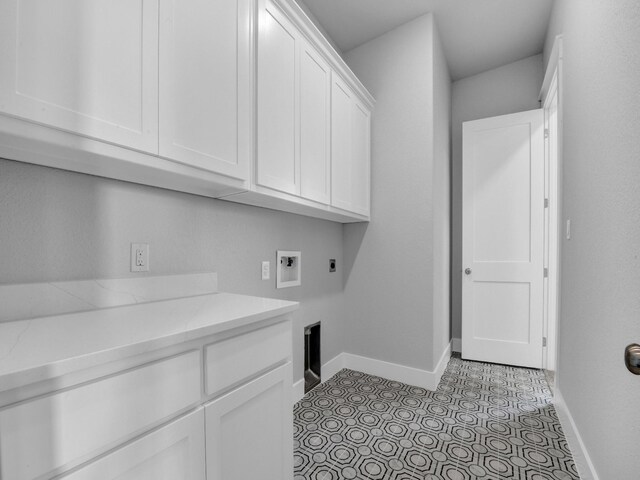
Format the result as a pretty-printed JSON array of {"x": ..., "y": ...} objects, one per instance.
[{"x": 503, "y": 239}]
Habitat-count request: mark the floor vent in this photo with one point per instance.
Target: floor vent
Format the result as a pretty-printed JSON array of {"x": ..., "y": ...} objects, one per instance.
[{"x": 311, "y": 357}]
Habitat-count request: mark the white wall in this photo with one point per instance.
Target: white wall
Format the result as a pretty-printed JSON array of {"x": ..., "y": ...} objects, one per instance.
[
  {"x": 600, "y": 265},
  {"x": 57, "y": 225},
  {"x": 512, "y": 88},
  {"x": 389, "y": 271}
]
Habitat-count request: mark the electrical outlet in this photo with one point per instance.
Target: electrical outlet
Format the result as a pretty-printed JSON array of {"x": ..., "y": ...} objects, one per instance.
[
  {"x": 266, "y": 270},
  {"x": 139, "y": 257}
]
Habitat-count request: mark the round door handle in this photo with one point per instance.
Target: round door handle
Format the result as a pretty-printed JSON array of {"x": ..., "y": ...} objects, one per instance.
[
  {"x": 632, "y": 358},
  {"x": 467, "y": 271}
]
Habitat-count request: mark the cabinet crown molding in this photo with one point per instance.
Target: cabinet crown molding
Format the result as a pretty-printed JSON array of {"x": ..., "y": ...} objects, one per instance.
[{"x": 312, "y": 34}]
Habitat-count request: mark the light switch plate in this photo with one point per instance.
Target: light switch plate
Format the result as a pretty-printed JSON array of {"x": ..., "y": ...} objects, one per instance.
[{"x": 266, "y": 270}]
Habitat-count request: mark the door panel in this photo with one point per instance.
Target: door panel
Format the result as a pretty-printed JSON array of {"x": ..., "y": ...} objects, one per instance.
[
  {"x": 502, "y": 195},
  {"x": 341, "y": 104},
  {"x": 250, "y": 430},
  {"x": 360, "y": 177},
  {"x": 174, "y": 451},
  {"x": 85, "y": 66},
  {"x": 205, "y": 84},
  {"x": 503, "y": 239},
  {"x": 315, "y": 107},
  {"x": 277, "y": 143}
]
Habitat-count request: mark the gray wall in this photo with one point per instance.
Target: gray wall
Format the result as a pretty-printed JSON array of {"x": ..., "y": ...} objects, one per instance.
[
  {"x": 57, "y": 225},
  {"x": 512, "y": 88},
  {"x": 389, "y": 272},
  {"x": 600, "y": 265},
  {"x": 441, "y": 200}
]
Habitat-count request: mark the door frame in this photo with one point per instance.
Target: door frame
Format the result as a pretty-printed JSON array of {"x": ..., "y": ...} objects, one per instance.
[{"x": 552, "y": 88}]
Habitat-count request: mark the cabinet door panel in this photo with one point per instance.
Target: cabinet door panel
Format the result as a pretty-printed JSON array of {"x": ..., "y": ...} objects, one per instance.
[
  {"x": 340, "y": 145},
  {"x": 68, "y": 427},
  {"x": 250, "y": 430},
  {"x": 277, "y": 142},
  {"x": 360, "y": 158},
  {"x": 174, "y": 451},
  {"x": 350, "y": 150},
  {"x": 315, "y": 92},
  {"x": 205, "y": 84},
  {"x": 85, "y": 66}
]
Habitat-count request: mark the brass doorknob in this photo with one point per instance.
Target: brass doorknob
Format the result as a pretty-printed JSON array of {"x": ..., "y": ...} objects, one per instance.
[
  {"x": 632, "y": 358},
  {"x": 467, "y": 271}
]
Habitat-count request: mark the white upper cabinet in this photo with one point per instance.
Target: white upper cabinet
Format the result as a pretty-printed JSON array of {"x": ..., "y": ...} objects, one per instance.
[
  {"x": 205, "y": 84},
  {"x": 360, "y": 158},
  {"x": 277, "y": 106},
  {"x": 315, "y": 126},
  {"x": 313, "y": 116},
  {"x": 236, "y": 99},
  {"x": 341, "y": 100},
  {"x": 350, "y": 150},
  {"x": 84, "y": 66}
]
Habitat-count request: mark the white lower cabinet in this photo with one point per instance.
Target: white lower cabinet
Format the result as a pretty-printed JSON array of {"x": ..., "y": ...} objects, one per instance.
[
  {"x": 51, "y": 433},
  {"x": 250, "y": 430},
  {"x": 215, "y": 407},
  {"x": 175, "y": 451}
]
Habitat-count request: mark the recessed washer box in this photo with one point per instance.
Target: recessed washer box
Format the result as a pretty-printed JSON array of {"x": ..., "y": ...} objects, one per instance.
[{"x": 289, "y": 268}]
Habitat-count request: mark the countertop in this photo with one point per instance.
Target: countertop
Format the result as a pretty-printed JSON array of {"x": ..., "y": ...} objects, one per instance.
[{"x": 47, "y": 347}]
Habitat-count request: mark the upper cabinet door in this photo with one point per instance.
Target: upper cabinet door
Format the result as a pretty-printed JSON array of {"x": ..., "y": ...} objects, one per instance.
[
  {"x": 341, "y": 174},
  {"x": 360, "y": 158},
  {"x": 350, "y": 150},
  {"x": 205, "y": 84},
  {"x": 278, "y": 126},
  {"x": 85, "y": 66},
  {"x": 315, "y": 126}
]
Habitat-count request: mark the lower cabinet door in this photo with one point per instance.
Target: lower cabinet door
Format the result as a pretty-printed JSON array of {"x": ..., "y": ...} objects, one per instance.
[
  {"x": 175, "y": 451},
  {"x": 250, "y": 430}
]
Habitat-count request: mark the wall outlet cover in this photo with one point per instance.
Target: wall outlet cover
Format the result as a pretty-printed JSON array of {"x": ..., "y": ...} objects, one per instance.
[{"x": 139, "y": 257}]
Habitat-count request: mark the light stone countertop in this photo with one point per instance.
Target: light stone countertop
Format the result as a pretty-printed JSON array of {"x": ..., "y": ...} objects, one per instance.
[{"x": 45, "y": 347}]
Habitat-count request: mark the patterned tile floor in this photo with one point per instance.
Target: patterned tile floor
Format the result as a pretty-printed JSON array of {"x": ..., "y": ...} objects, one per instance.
[{"x": 484, "y": 422}]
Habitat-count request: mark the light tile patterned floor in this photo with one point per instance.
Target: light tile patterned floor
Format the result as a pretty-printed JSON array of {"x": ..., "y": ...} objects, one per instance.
[{"x": 484, "y": 422}]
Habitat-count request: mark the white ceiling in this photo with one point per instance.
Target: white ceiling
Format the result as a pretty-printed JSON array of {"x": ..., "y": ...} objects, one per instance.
[{"x": 477, "y": 35}]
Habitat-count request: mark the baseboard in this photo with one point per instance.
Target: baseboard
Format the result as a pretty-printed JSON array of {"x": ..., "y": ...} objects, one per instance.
[
  {"x": 393, "y": 371},
  {"x": 581, "y": 457},
  {"x": 442, "y": 364},
  {"x": 456, "y": 345},
  {"x": 333, "y": 366},
  {"x": 298, "y": 390}
]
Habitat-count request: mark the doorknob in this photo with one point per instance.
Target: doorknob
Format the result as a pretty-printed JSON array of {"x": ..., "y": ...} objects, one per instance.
[
  {"x": 467, "y": 271},
  {"x": 632, "y": 358}
]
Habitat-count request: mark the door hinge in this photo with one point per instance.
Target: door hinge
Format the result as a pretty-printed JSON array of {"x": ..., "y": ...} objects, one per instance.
[
  {"x": 544, "y": 341},
  {"x": 546, "y": 272},
  {"x": 546, "y": 203},
  {"x": 546, "y": 133}
]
